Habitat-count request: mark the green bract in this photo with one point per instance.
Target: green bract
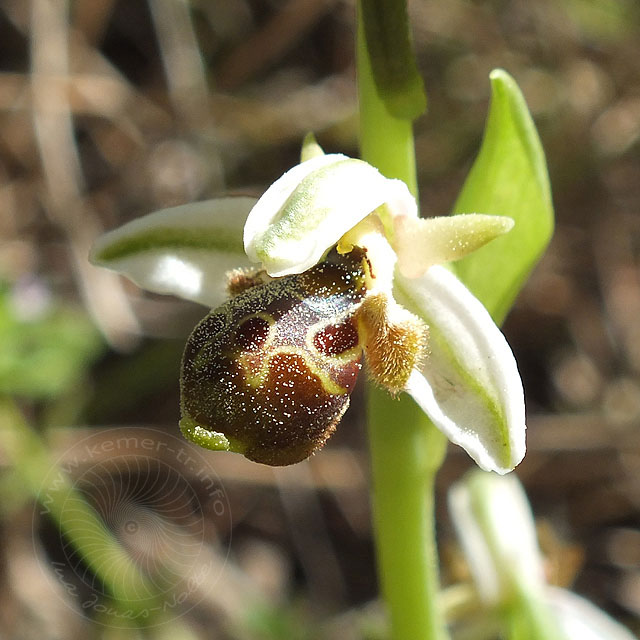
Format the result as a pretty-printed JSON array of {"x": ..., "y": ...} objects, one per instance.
[{"x": 509, "y": 178}]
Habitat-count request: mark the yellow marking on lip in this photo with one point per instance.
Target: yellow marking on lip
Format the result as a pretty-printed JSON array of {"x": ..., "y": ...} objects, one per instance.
[{"x": 256, "y": 380}]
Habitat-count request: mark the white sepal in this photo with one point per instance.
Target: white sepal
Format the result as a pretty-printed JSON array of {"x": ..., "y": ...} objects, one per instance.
[
  {"x": 308, "y": 209},
  {"x": 469, "y": 385},
  {"x": 579, "y": 619},
  {"x": 184, "y": 251}
]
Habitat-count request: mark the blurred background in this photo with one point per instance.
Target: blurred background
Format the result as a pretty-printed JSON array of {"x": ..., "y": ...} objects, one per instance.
[{"x": 110, "y": 109}]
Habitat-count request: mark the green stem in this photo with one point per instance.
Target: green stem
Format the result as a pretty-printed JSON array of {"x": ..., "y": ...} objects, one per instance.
[
  {"x": 528, "y": 617},
  {"x": 385, "y": 142},
  {"x": 406, "y": 448},
  {"x": 406, "y": 451}
]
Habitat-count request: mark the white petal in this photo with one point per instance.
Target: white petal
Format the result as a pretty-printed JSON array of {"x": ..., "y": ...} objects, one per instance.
[
  {"x": 470, "y": 386},
  {"x": 183, "y": 251},
  {"x": 309, "y": 208},
  {"x": 423, "y": 242},
  {"x": 496, "y": 529},
  {"x": 310, "y": 148},
  {"x": 581, "y": 620}
]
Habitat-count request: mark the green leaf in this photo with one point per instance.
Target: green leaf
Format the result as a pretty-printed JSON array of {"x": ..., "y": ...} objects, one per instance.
[
  {"x": 509, "y": 178},
  {"x": 45, "y": 355},
  {"x": 388, "y": 43}
]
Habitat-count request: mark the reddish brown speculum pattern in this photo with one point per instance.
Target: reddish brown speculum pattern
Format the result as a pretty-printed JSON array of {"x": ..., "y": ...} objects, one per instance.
[
  {"x": 252, "y": 333},
  {"x": 273, "y": 367},
  {"x": 335, "y": 339}
]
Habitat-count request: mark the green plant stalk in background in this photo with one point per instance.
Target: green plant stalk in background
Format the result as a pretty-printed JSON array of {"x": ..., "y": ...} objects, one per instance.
[
  {"x": 75, "y": 518},
  {"x": 136, "y": 601},
  {"x": 406, "y": 448}
]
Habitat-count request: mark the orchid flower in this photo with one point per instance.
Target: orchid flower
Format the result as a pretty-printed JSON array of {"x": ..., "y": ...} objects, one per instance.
[
  {"x": 496, "y": 529},
  {"x": 335, "y": 236}
]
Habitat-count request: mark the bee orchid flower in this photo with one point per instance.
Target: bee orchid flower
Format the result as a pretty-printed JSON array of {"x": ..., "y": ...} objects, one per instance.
[
  {"x": 343, "y": 266},
  {"x": 496, "y": 529}
]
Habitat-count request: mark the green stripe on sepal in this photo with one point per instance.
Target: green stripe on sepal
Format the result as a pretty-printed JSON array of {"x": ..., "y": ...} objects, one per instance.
[
  {"x": 205, "y": 239},
  {"x": 469, "y": 384},
  {"x": 183, "y": 250}
]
